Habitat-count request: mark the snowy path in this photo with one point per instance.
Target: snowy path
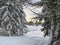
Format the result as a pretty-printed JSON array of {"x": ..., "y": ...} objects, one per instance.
[
  {"x": 36, "y": 34},
  {"x": 33, "y": 37},
  {"x": 35, "y": 31}
]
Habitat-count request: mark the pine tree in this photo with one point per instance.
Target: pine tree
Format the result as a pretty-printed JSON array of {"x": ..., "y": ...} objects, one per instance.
[
  {"x": 12, "y": 17},
  {"x": 51, "y": 15}
]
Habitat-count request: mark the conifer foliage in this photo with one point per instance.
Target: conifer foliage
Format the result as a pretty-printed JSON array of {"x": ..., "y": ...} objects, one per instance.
[
  {"x": 51, "y": 15},
  {"x": 12, "y": 17}
]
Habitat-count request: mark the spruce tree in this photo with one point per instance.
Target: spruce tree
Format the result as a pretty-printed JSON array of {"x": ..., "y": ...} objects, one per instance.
[
  {"x": 51, "y": 15},
  {"x": 12, "y": 17}
]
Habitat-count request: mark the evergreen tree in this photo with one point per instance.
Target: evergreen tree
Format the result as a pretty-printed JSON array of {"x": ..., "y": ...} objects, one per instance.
[
  {"x": 12, "y": 17},
  {"x": 51, "y": 15}
]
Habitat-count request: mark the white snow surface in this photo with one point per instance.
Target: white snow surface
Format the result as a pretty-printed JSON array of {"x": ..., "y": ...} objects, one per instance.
[
  {"x": 35, "y": 31},
  {"x": 33, "y": 37},
  {"x": 34, "y": 1}
]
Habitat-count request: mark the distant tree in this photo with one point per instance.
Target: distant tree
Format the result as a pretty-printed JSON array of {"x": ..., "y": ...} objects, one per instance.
[{"x": 30, "y": 23}]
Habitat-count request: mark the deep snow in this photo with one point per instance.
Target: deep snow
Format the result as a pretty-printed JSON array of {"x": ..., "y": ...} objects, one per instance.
[{"x": 33, "y": 37}]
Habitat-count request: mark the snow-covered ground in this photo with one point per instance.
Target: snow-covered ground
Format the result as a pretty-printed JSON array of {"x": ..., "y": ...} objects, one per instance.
[
  {"x": 33, "y": 37},
  {"x": 35, "y": 30},
  {"x": 36, "y": 34}
]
